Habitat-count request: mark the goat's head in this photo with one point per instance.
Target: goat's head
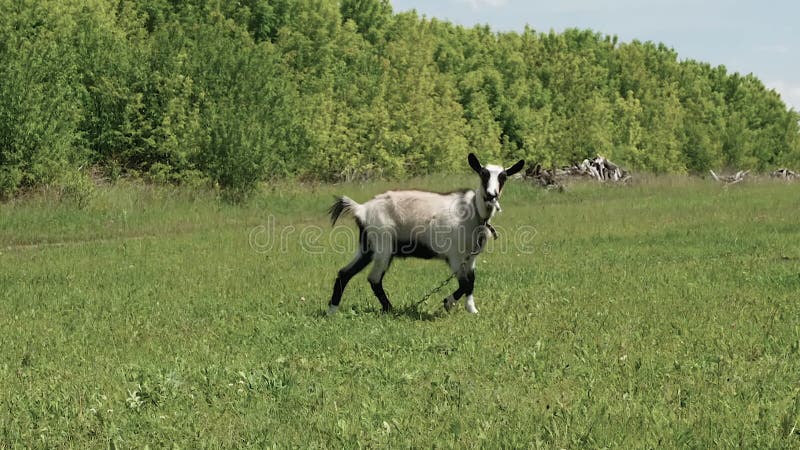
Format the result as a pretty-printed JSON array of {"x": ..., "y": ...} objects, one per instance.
[{"x": 492, "y": 180}]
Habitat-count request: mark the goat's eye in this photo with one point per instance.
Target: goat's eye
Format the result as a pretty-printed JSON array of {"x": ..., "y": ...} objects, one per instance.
[{"x": 502, "y": 177}]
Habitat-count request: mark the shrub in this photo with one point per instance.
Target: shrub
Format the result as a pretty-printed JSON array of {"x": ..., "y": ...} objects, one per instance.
[
  {"x": 75, "y": 187},
  {"x": 39, "y": 98}
]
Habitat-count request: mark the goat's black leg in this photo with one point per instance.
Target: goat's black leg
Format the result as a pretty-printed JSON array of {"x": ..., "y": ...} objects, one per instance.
[
  {"x": 470, "y": 286},
  {"x": 453, "y": 298},
  {"x": 465, "y": 274},
  {"x": 376, "y": 282},
  {"x": 345, "y": 274},
  {"x": 377, "y": 288},
  {"x": 466, "y": 284}
]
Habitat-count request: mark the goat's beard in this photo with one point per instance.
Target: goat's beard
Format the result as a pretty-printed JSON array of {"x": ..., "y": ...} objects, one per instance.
[
  {"x": 493, "y": 206},
  {"x": 489, "y": 207}
]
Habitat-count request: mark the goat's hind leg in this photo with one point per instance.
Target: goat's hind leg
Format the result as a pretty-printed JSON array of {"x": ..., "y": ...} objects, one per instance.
[
  {"x": 347, "y": 272},
  {"x": 375, "y": 278}
]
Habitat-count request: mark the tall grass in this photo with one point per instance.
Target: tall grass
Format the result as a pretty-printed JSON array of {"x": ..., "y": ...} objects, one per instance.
[{"x": 663, "y": 314}]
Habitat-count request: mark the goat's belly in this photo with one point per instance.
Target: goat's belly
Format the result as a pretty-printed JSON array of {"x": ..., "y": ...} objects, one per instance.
[{"x": 406, "y": 249}]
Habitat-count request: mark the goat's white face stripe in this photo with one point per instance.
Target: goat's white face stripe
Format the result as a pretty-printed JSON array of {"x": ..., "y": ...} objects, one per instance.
[{"x": 493, "y": 184}]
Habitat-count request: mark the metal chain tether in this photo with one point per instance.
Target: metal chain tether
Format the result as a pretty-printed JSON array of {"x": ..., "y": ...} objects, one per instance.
[
  {"x": 435, "y": 290},
  {"x": 481, "y": 243}
]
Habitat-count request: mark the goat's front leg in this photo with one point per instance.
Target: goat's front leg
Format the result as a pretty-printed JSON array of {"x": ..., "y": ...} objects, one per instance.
[
  {"x": 470, "y": 301},
  {"x": 454, "y": 261},
  {"x": 451, "y": 300},
  {"x": 466, "y": 284}
]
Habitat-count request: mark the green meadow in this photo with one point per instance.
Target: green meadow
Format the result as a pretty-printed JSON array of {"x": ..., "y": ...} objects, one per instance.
[{"x": 659, "y": 315}]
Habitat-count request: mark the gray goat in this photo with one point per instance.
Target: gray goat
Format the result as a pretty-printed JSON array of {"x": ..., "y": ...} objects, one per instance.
[{"x": 450, "y": 226}]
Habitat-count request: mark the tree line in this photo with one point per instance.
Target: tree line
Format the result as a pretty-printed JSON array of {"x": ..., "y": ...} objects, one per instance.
[{"x": 236, "y": 93}]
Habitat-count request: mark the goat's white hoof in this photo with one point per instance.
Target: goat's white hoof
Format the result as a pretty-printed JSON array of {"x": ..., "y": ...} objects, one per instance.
[
  {"x": 332, "y": 309},
  {"x": 449, "y": 302},
  {"x": 471, "y": 307}
]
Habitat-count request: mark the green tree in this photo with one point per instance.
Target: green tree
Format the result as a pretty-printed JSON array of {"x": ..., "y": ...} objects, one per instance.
[
  {"x": 39, "y": 95},
  {"x": 241, "y": 92}
]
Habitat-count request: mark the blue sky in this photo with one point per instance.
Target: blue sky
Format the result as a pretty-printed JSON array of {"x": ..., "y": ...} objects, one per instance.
[{"x": 746, "y": 36}]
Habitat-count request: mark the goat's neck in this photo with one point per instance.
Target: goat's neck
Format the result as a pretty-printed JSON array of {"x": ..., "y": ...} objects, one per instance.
[{"x": 484, "y": 211}]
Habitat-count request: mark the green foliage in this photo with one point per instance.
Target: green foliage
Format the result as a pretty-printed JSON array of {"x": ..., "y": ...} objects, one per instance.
[
  {"x": 39, "y": 95},
  {"x": 75, "y": 187},
  {"x": 370, "y": 16},
  {"x": 238, "y": 93}
]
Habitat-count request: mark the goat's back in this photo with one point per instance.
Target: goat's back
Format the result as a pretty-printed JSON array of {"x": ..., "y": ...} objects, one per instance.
[{"x": 411, "y": 210}]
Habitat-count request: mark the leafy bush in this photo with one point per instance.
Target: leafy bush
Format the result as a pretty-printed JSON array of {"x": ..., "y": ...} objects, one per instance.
[
  {"x": 75, "y": 187},
  {"x": 237, "y": 93},
  {"x": 39, "y": 96}
]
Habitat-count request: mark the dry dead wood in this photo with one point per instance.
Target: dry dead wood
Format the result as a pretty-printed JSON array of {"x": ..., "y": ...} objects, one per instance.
[
  {"x": 738, "y": 177},
  {"x": 785, "y": 174},
  {"x": 598, "y": 168}
]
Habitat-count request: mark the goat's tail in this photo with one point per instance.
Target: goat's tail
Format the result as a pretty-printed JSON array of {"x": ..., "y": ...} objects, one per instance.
[{"x": 344, "y": 205}]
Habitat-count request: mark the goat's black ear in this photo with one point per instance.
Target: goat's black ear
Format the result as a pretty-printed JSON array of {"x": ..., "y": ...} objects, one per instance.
[
  {"x": 474, "y": 163},
  {"x": 516, "y": 167}
]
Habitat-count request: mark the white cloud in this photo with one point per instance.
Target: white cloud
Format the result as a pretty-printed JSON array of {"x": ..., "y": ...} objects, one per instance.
[
  {"x": 596, "y": 6},
  {"x": 790, "y": 92},
  {"x": 776, "y": 49},
  {"x": 479, "y": 4}
]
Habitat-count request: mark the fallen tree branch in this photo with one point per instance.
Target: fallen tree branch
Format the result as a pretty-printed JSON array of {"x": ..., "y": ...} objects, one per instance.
[
  {"x": 598, "y": 168},
  {"x": 785, "y": 174},
  {"x": 738, "y": 177}
]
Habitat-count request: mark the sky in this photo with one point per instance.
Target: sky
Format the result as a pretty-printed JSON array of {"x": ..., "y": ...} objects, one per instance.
[{"x": 758, "y": 37}]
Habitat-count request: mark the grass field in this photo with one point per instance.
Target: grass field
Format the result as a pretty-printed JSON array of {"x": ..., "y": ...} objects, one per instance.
[{"x": 660, "y": 315}]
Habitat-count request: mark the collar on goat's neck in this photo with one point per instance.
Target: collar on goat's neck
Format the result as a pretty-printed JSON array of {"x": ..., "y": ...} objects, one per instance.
[{"x": 484, "y": 211}]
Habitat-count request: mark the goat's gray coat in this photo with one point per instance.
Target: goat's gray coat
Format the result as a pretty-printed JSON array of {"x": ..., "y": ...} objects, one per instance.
[{"x": 449, "y": 226}]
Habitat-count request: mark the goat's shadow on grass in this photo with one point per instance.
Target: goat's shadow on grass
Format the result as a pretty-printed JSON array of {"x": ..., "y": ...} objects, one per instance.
[{"x": 411, "y": 312}]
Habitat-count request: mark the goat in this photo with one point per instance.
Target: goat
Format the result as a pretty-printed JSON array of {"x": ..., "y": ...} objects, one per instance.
[{"x": 408, "y": 223}]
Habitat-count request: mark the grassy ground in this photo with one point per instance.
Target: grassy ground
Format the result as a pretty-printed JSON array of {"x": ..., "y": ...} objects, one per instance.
[{"x": 660, "y": 315}]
